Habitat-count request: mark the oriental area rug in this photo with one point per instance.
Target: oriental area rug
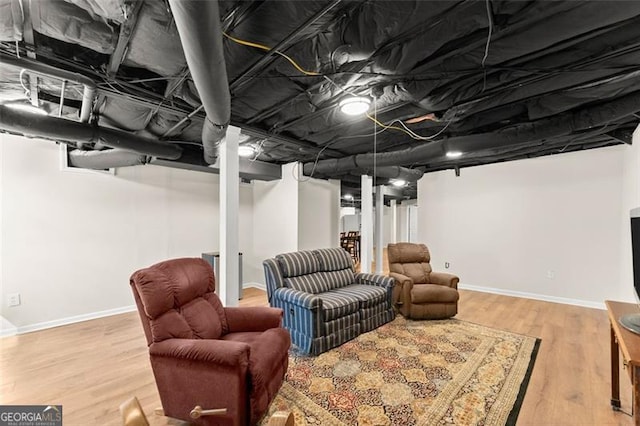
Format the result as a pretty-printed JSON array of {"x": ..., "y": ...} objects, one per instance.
[{"x": 447, "y": 372}]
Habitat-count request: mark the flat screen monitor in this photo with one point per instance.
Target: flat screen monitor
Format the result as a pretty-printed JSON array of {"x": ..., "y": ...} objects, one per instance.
[{"x": 632, "y": 321}]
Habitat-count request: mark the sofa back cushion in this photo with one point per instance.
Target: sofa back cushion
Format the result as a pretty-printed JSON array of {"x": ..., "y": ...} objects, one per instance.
[
  {"x": 334, "y": 259},
  {"x": 176, "y": 299},
  {"x": 310, "y": 283},
  {"x": 336, "y": 266},
  {"x": 411, "y": 260},
  {"x": 298, "y": 263}
]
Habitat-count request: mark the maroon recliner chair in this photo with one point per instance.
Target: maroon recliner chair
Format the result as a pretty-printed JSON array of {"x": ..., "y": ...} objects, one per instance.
[{"x": 203, "y": 354}]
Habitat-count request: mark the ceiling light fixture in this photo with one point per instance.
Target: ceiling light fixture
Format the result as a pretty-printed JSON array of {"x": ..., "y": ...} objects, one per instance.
[
  {"x": 398, "y": 182},
  {"x": 348, "y": 197},
  {"x": 454, "y": 154},
  {"x": 246, "y": 151},
  {"x": 24, "y": 107},
  {"x": 355, "y": 105}
]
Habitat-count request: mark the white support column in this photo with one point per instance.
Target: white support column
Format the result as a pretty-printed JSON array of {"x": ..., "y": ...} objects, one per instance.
[
  {"x": 394, "y": 222},
  {"x": 228, "y": 281},
  {"x": 366, "y": 230},
  {"x": 379, "y": 227}
]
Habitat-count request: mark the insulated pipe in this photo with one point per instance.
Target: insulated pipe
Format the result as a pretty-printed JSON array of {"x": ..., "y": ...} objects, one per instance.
[
  {"x": 100, "y": 160},
  {"x": 44, "y": 70},
  {"x": 397, "y": 172},
  {"x": 198, "y": 23},
  {"x": 59, "y": 129},
  {"x": 560, "y": 125}
]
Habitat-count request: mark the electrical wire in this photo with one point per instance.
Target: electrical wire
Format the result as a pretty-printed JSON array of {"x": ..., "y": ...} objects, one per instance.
[
  {"x": 268, "y": 49},
  {"x": 407, "y": 130},
  {"x": 486, "y": 48}
]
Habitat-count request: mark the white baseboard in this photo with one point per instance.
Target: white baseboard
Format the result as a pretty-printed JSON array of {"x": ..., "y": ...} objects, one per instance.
[
  {"x": 535, "y": 296},
  {"x": 71, "y": 320},
  {"x": 255, "y": 285},
  {"x": 7, "y": 329}
]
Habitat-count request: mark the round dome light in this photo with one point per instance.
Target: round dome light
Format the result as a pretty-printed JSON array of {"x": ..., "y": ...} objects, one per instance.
[
  {"x": 355, "y": 105},
  {"x": 399, "y": 182},
  {"x": 246, "y": 151}
]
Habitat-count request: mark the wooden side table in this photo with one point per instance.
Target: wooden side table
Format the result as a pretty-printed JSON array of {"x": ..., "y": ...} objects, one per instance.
[{"x": 628, "y": 343}]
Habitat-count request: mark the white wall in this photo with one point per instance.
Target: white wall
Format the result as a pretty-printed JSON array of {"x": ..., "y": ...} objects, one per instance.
[
  {"x": 548, "y": 226},
  {"x": 275, "y": 220},
  {"x": 630, "y": 200},
  {"x": 71, "y": 240},
  {"x": 318, "y": 214}
]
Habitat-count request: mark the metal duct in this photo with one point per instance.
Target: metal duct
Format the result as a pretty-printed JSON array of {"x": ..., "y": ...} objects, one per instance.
[
  {"x": 59, "y": 129},
  {"x": 396, "y": 173},
  {"x": 44, "y": 70},
  {"x": 101, "y": 160},
  {"x": 198, "y": 24},
  {"x": 563, "y": 124}
]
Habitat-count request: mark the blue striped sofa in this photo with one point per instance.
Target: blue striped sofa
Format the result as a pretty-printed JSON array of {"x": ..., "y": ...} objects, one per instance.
[{"x": 325, "y": 302}]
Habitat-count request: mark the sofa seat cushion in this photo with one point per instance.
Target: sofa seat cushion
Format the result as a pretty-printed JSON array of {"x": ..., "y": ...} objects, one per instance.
[
  {"x": 432, "y": 293},
  {"x": 367, "y": 295},
  {"x": 311, "y": 283},
  {"x": 336, "y": 304}
]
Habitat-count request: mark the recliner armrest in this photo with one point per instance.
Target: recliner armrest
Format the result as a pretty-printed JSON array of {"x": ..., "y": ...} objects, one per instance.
[
  {"x": 304, "y": 300},
  {"x": 443, "y": 278},
  {"x": 253, "y": 318},
  {"x": 404, "y": 284},
  {"x": 219, "y": 352},
  {"x": 400, "y": 278},
  {"x": 374, "y": 279}
]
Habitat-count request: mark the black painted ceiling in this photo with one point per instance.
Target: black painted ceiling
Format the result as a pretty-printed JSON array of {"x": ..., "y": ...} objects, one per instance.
[{"x": 496, "y": 80}]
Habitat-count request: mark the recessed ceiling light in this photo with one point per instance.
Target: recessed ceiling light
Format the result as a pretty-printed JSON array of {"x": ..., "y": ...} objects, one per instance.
[
  {"x": 398, "y": 182},
  {"x": 32, "y": 109},
  {"x": 355, "y": 105},
  {"x": 246, "y": 151},
  {"x": 454, "y": 154},
  {"x": 348, "y": 197}
]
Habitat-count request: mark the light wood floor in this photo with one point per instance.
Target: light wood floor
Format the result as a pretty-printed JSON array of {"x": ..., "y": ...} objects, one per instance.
[{"x": 91, "y": 367}]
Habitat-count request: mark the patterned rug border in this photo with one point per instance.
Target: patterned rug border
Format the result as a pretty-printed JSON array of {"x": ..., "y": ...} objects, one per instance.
[
  {"x": 529, "y": 349},
  {"x": 515, "y": 411}
]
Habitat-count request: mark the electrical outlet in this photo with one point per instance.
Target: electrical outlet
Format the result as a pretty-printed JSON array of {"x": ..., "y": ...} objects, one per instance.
[
  {"x": 446, "y": 265},
  {"x": 551, "y": 274},
  {"x": 13, "y": 299}
]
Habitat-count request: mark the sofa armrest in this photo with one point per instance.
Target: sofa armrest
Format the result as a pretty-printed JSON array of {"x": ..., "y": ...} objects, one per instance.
[
  {"x": 218, "y": 352},
  {"x": 443, "y": 278},
  {"x": 374, "y": 279},
  {"x": 253, "y": 318},
  {"x": 300, "y": 298}
]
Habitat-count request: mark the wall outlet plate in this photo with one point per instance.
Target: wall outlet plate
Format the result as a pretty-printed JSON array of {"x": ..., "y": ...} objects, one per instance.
[{"x": 13, "y": 299}]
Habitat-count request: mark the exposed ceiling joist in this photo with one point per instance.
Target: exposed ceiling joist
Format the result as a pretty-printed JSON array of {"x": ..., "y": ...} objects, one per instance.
[{"x": 132, "y": 9}]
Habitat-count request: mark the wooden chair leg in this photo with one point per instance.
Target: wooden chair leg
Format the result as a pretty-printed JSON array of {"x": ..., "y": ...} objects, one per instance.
[
  {"x": 282, "y": 418},
  {"x": 132, "y": 414}
]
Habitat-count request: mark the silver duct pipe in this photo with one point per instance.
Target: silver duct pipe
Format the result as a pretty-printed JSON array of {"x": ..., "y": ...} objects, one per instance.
[
  {"x": 59, "y": 129},
  {"x": 44, "y": 70},
  {"x": 560, "y": 125},
  {"x": 395, "y": 173},
  {"x": 198, "y": 24},
  {"x": 101, "y": 160}
]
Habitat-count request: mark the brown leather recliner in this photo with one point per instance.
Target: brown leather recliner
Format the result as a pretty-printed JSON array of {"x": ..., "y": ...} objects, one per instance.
[
  {"x": 203, "y": 354},
  {"x": 421, "y": 293}
]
